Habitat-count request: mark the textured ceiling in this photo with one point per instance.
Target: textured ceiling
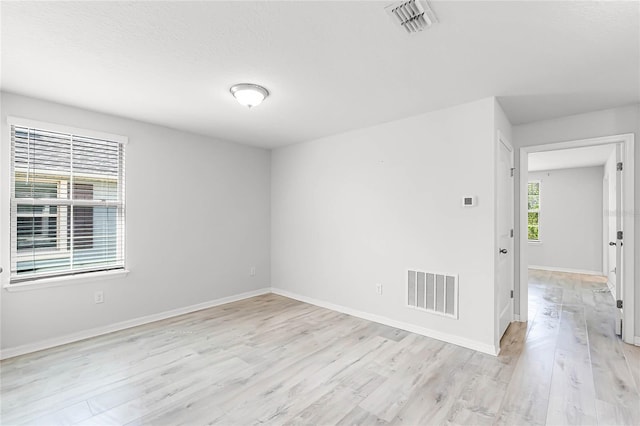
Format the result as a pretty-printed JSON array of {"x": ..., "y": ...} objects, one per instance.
[{"x": 330, "y": 66}]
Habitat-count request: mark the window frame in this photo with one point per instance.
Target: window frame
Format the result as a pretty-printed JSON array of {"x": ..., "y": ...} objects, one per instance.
[
  {"x": 538, "y": 210},
  {"x": 13, "y": 282}
]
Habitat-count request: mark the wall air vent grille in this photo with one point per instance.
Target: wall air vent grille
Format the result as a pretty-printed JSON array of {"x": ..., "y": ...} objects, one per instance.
[
  {"x": 412, "y": 16},
  {"x": 434, "y": 293}
]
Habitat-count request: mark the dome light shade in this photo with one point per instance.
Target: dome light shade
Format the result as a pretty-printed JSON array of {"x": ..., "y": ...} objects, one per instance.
[{"x": 249, "y": 95}]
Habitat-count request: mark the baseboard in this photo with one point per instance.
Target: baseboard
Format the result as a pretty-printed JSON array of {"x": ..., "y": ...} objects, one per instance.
[
  {"x": 569, "y": 270},
  {"x": 98, "y": 331},
  {"x": 636, "y": 340},
  {"x": 445, "y": 337}
]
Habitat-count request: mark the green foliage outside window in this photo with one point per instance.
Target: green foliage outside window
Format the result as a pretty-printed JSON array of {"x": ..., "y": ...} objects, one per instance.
[{"x": 533, "y": 221}]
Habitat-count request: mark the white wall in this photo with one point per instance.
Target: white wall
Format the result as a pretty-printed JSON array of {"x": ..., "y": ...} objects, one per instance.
[
  {"x": 359, "y": 208},
  {"x": 198, "y": 218},
  {"x": 583, "y": 126},
  {"x": 570, "y": 219}
]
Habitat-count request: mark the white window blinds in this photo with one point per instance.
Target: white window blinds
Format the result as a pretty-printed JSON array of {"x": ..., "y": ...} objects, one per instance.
[{"x": 67, "y": 203}]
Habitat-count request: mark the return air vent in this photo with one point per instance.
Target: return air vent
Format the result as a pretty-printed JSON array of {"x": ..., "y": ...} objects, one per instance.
[
  {"x": 431, "y": 292},
  {"x": 413, "y": 16}
]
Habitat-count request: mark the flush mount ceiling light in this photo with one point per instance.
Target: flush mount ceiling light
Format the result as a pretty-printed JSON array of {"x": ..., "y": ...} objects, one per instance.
[{"x": 248, "y": 94}]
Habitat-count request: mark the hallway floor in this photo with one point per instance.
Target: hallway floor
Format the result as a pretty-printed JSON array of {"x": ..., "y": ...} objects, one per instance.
[{"x": 572, "y": 356}]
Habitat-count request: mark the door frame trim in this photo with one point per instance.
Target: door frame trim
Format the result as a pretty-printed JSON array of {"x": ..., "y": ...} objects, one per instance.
[
  {"x": 628, "y": 217},
  {"x": 605, "y": 227},
  {"x": 501, "y": 139}
]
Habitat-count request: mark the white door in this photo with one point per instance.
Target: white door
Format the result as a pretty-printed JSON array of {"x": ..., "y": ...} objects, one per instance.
[
  {"x": 504, "y": 272},
  {"x": 617, "y": 242},
  {"x": 611, "y": 232}
]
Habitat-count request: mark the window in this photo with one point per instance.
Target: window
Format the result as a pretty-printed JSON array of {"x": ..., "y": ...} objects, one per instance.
[
  {"x": 67, "y": 201},
  {"x": 533, "y": 222}
]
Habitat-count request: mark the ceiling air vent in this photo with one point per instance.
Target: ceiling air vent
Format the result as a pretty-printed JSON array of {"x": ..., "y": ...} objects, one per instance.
[{"x": 413, "y": 15}]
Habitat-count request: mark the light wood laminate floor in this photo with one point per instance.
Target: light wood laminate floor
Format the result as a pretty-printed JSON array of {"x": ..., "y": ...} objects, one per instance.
[{"x": 274, "y": 360}]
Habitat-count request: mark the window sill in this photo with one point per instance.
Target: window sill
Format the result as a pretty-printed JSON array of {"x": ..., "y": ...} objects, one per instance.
[
  {"x": 535, "y": 243},
  {"x": 68, "y": 280}
]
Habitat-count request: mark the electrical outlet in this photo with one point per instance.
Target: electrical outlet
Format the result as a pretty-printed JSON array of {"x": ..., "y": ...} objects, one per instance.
[
  {"x": 379, "y": 288},
  {"x": 252, "y": 272},
  {"x": 98, "y": 297}
]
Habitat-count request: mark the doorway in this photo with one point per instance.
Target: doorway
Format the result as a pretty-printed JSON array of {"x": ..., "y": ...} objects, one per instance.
[{"x": 617, "y": 187}]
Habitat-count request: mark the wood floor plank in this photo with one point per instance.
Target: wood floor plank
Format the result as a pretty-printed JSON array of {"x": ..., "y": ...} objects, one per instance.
[
  {"x": 613, "y": 379},
  {"x": 479, "y": 402},
  {"x": 632, "y": 355},
  {"x": 572, "y": 395},
  {"x": 70, "y": 415},
  {"x": 439, "y": 390},
  {"x": 360, "y": 416},
  {"x": 527, "y": 396}
]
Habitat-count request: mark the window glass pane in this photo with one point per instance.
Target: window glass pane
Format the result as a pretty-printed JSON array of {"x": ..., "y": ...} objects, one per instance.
[
  {"x": 105, "y": 189},
  {"x": 33, "y": 189},
  {"x": 82, "y": 191},
  {"x": 96, "y": 157},
  {"x": 533, "y": 225},
  {"x": 27, "y": 209},
  {"x": 533, "y": 203},
  {"x": 82, "y": 227},
  {"x": 40, "y": 150},
  {"x": 37, "y": 232},
  {"x": 50, "y": 263}
]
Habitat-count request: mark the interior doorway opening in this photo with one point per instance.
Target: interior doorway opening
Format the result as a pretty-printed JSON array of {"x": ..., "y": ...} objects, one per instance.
[{"x": 560, "y": 235}]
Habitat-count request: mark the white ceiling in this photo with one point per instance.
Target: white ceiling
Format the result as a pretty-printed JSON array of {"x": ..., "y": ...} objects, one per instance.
[
  {"x": 330, "y": 66},
  {"x": 570, "y": 158}
]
